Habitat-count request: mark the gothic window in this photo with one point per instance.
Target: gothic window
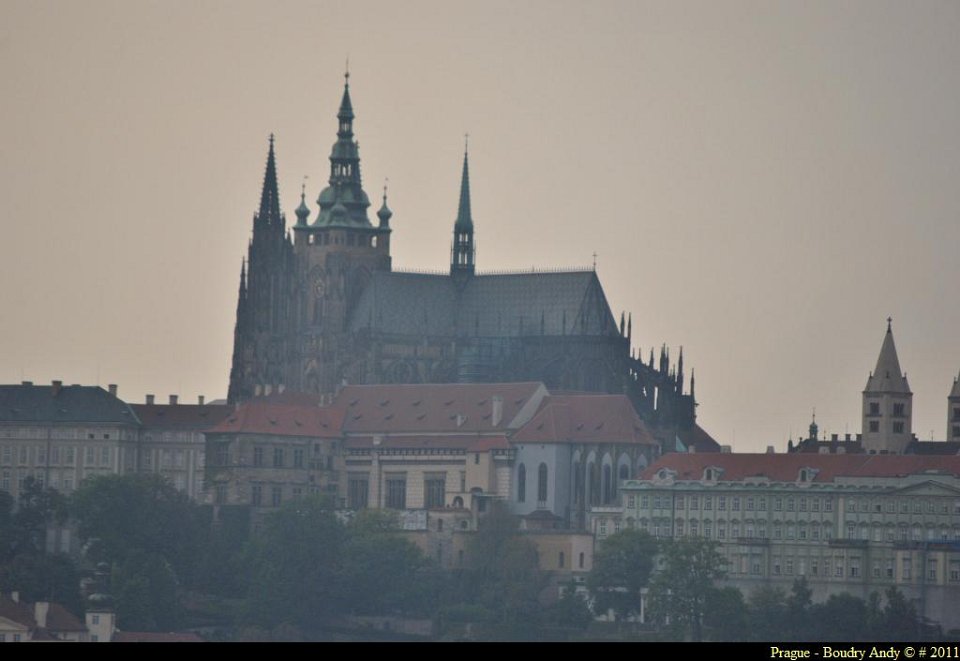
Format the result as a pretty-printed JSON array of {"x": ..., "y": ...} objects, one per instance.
[
  {"x": 607, "y": 485},
  {"x": 624, "y": 472},
  {"x": 542, "y": 484},
  {"x": 521, "y": 484}
]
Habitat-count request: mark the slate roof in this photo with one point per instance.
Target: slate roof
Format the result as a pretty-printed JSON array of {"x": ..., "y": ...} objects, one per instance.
[
  {"x": 426, "y": 408},
  {"x": 181, "y": 416},
  {"x": 786, "y": 467},
  {"x": 70, "y": 404},
  {"x": 497, "y": 305},
  {"x": 585, "y": 419}
]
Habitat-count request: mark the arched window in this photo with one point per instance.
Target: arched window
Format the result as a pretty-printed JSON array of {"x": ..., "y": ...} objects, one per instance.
[
  {"x": 577, "y": 482},
  {"x": 607, "y": 486},
  {"x": 624, "y": 472},
  {"x": 542, "y": 484},
  {"x": 560, "y": 560},
  {"x": 521, "y": 483}
]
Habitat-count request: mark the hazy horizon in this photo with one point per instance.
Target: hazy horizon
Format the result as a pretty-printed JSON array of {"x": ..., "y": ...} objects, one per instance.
[{"x": 764, "y": 183}]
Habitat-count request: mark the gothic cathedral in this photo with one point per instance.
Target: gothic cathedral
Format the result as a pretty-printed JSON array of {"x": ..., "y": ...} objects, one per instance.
[{"x": 321, "y": 307}]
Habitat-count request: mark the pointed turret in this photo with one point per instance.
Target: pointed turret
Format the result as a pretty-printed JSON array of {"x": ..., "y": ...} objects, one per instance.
[
  {"x": 814, "y": 429},
  {"x": 303, "y": 211},
  {"x": 462, "y": 254},
  {"x": 269, "y": 197},
  {"x": 384, "y": 214},
  {"x": 887, "y": 376}
]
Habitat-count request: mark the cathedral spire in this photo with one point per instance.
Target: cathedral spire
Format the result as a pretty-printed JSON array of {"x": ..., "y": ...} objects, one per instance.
[
  {"x": 463, "y": 253},
  {"x": 343, "y": 202},
  {"x": 269, "y": 197}
]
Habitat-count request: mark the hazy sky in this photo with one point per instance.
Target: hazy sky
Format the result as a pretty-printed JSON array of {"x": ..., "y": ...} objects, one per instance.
[{"x": 763, "y": 182}]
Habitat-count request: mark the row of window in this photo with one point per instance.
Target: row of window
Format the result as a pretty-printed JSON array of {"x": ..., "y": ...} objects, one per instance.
[
  {"x": 542, "y": 475},
  {"x": 732, "y": 503},
  {"x": 840, "y": 568},
  {"x": 899, "y": 409},
  {"x": 874, "y": 426},
  {"x": 795, "y": 504},
  {"x": 57, "y": 456}
]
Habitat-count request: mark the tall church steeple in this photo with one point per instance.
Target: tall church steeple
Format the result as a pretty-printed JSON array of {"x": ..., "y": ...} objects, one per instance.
[
  {"x": 887, "y": 403},
  {"x": 269, "y": 213},
  {"x": 953, "y": 411},
  {"x": 463, "y": 253}
]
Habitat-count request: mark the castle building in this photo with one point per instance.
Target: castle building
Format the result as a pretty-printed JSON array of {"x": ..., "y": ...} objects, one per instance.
[
  {"x": 320, "y": 306},
  {"x": 850, "y": 523}
]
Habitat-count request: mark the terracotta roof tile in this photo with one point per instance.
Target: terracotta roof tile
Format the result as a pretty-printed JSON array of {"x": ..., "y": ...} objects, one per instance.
[
  {"x": 585, "y": 419},
  {"x": 786, "y": 467},
  {"x": 260, "y": 416},
  {"x": 448, "y": 407}
]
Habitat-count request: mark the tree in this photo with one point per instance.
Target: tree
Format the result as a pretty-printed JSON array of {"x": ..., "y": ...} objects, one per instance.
[
  {"x": 123, "y": 514},
  {"x": 678, "y": 592},
  {"x": 145, "y": 592},
  {"x": 768, "y": 613},
  {"x": 727, "y": 615},
  {"x": 570, "y": 612},
  {"x": 293, "y": 565},
  {"x": 381, "y": 571},
  {"x": 841, "y": 617},
  {"x": 503, "y": 576},
  {"x": 621, "y": 569},
  {"x": 41, "y": 577}
]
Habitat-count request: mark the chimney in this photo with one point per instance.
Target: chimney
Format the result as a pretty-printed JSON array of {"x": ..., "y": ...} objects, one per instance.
[
  {"x": 257, "y": 389},
  {"x": 280, "y": 389},
  {"x": 57, "y": 385},
  {"x": 150, "y": 399},
  {"x": 15, "y": 595},
  {"x": 27, "y": 383},
  {"x": 267, "y": 389},
  {"x": 770, "y": 450},
  {"x": 497, "y": 418},
  {"x": 691, "y": 450},
  {"x": 724, "y": 449},
  {"x": 113, "y": 389},
  {"x": 200, "y": 400},
  {"x": 173, "y": 400},
  {"x": 833, "y": 437},
  {"x": 40, "y": 610}
]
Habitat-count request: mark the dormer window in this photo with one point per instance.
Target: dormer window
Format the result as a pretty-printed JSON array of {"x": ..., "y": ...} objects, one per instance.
[
  {"x": 711, "y": 474},
  {"x": 807, "y": 475}
]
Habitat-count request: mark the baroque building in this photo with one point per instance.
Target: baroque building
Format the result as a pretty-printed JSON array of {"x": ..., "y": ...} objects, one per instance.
[
  {"x": 320, "y": 306},
  {"x": 849, "y": 523}
]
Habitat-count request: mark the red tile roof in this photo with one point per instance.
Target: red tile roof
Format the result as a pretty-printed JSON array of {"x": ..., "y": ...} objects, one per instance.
[
  {"x": 585, "y": 419},
  {"x": 261, "y": 416},
  {"x": 466, "y": 442},
  {"x": 60, "y": 619},
  {"x": 449, "y": 407},
  {"x": 181, "y": 416},
  {"x": 155, "y": 637},
  {"x": 786, "y": 467},
  {"x": 17, "y": 612}
]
